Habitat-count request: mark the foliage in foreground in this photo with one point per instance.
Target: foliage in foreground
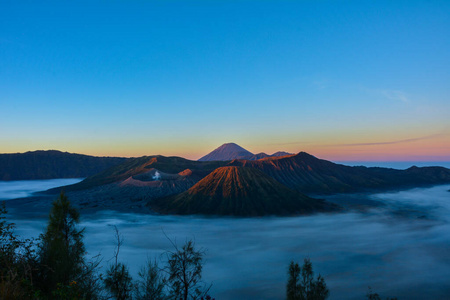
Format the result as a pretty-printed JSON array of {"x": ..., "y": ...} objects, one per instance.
[
  {"x": 61, "y": 256},
  {"x": 17, "y": 262},
  {"x": 301, "y": 284},
  {"x": 180, "y": 278}
]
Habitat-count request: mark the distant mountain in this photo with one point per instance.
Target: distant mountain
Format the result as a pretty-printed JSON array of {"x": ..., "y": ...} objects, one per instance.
[
  {"x": 227, "y": 151},
  {"x": 308, "y": 174},
  {"x": 52, "y": 164},
  {"x": 232, "y": 151},
  {"x": 239, "y": 191},
  {"x": 280, "y": 153},
  {"x": 257, "y": 156}
]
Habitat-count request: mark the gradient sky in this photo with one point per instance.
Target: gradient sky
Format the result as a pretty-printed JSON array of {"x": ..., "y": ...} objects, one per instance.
[{"x": 342, "y": 80}]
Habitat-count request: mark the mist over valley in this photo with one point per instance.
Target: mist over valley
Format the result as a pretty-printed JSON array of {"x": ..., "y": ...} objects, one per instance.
[{"x": 398, "y": 245}]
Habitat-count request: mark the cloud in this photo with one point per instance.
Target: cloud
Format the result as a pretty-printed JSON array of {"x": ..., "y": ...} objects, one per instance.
[
  {"x": 391, "y": 142},
  {"x": 365, "y": 144},
  {"x": 395, "y": 95},
  {"x": 444, "y": 133}
]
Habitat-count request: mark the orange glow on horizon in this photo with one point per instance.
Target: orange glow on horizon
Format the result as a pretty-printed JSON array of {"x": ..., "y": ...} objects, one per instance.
[{"x": 425, "y": 148}]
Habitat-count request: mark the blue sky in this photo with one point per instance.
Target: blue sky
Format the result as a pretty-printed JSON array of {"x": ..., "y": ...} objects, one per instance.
[{"x": 342, "y": 80}]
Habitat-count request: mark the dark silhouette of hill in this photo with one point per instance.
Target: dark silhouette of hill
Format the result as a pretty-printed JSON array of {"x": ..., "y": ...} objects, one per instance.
[
  {"x": 239, "y": 191},
  {"x": 141, "y": 165},
  {"x": 52, "y": 164},
  {"x": 232, "y": 151},
  {"x": 308, "y": 174}
]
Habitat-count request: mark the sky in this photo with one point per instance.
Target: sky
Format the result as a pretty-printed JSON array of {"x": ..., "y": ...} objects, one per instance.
[{"x": 341, "y": 80}]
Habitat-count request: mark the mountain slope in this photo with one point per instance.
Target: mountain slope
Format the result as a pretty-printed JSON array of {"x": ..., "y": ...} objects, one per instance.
[
  {"x": 52, "y": 164},
  {"x": 132, "y": 192},
  {"x": 141, "y": 165},
  {"x": 239, "y": 191},
  {"x": 308, "y": 174}
]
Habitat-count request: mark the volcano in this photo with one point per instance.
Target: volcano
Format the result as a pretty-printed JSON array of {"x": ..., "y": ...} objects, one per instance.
[
  {"x": 239, "y": 191},
  {"x": 227, "y": 151},
  {"x": 232, "y": 151}
]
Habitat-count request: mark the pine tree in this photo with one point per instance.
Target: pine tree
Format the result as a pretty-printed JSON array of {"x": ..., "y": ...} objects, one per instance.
[
  {"x": 293, "y": 288},
  {"x": 61, "y": 250}
]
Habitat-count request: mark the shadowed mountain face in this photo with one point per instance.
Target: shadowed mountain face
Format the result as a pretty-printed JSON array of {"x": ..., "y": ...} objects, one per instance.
[
  {"x": 232, "y": 151},
  {"x": 308, "y": 174},
  {"x": 52, "y": 164},
  {"x": 239, "y": 191}
]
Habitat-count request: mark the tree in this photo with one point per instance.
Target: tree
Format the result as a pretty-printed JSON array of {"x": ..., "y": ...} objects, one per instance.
[
  {"x": 151, "y": 284},
  {"x": 118, "y": 279},
  {"x": 119, "y": 282},
  {"x": 17, "y": 262},
  {"x": 302, "y": 285},
  {"x": 185, "y": 272},
  {"x": 293, "y": 288},
  {"x": 61, "y": 254}
]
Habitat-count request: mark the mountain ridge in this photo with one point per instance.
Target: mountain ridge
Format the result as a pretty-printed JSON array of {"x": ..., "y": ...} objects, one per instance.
[
  {"x": 302, "y": 172},
  {"x": 51, "y": 164},
  {"x": 139, "y": 182},
  {"x": 311, "y": 175}
]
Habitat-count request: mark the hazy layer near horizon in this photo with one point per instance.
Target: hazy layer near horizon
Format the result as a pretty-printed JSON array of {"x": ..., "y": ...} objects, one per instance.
[
  {"x": 396, "y": 164},
  {"x": 25, "y": 188}
]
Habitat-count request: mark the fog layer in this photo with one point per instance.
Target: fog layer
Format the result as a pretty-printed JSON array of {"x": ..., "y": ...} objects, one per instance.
[
  {"x": 25, "y": 188},
  {"x": 400, "y": 248}
]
